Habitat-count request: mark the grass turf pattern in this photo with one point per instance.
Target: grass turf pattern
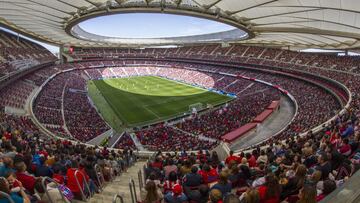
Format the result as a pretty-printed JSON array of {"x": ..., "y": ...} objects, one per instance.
[{"x": 143, "y": 100}]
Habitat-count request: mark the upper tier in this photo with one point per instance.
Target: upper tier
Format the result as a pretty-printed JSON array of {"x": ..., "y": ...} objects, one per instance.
[
  {"x": 234, "y": 53},
  {"x": 17, "y": 53}
]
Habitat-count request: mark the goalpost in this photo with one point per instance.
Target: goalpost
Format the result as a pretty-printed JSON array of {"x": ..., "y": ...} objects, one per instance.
[{"x": 193, "y": 108}]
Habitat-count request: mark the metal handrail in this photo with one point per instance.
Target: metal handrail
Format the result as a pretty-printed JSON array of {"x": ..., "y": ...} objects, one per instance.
[
  {"x": 7, "y": 196},
  {"x": 117, "y": 196},
  {"x": 47, "y": 192},
  {"x": 83, "y": 196},
  {"x": 100, "y": 179},
  {"x": 133, "y": 191},
  {"x": 140, "y": 177},
  {"x": 112, "y": 176}
]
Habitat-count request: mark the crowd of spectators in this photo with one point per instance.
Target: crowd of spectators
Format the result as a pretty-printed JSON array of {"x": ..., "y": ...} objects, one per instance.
[
  {"x": 28, "y": 156},
  {"x": 291, "y": 169},
  {"x": 236, "y": 114},
  {"x": 167, "y": 138},
  {"x": 244, "y": 109},
  {"x": 295, "y": 170},
  {"x": 236, "y": 53},
  {"x": 17, "y": 53},
  {"x": 16, "y": 95},
  {"x": 125, "y": 142}
]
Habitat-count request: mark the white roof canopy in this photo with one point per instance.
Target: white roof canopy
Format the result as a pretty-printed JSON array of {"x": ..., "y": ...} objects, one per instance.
[{"x": 332, "y": 24}]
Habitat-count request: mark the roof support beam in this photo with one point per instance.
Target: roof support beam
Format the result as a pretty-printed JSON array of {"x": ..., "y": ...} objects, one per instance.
[
  {"x": 326, "y": 21},
  {"x": 72, "y": 5},
  {"x": 248, "y": 8},
  {"x": 30, "y": 9},
  {"x": 319, "y": 7},
  {"x": 307, "y": 31},
  {"x": 211, "y": 5},
  {"x": 34, "y": 15},
  {"x": 92, "y": 3},
  {"x": 286, "y": 13},
  {"x": 51, "y": 7}
]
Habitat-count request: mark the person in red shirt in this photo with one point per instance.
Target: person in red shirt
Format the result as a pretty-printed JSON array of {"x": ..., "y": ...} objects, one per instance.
[
  {"x": 7, "y": 135},
  {"x": 157, "y": 163},
  {"x": 59, "y": 178},
  {"x": 270, "y": 191},
  {"x": 251, "y": 160},
  {"x": 345, "y": 148},
  {"x": 28, "y": 181},
  {"x": 232, "y": 157},
  {"x": 209, "y": 174},
  {"x": 43, "y": 152},
  {"x": 71, "y": 180}
]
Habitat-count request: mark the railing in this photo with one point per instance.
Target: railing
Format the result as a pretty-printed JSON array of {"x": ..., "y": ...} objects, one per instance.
[
  {"x": 111, "y": 174},
  {"x": 43, "y": 181},
  {"x": 348, "y": 192},
  {"x": 140, "y": 177},
  {"x": 7, "y": 196},
  {"x": 99, "y": 176},
  {"x": 132, "y": 191},
  {"x": 84, "y": 197},
  {"x": 117, "y": 196}
]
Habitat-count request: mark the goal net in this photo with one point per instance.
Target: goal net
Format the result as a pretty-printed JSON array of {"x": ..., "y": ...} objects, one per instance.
[{"x": 193, "y": 108}]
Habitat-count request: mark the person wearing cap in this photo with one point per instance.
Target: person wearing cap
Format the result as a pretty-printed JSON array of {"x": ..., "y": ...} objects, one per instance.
[{"x": 176, "y": 196}]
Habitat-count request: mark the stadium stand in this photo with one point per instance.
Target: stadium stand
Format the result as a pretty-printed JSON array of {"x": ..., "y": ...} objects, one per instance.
[
  {"x": 19, "y": 53},
  {"x": 48, "y": 121},
  {"x": 281, "y": 162}
]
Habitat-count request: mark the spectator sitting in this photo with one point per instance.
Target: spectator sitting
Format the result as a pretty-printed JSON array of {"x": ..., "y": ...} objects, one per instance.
[
  {"x": 250, "y": 196},
  {"x": 193, "y": 179},
  {"x": 176, "y": 195},
  {"x": 20, "y": 197},
  {"x": 270, "y": 191},
  {"x": 6, "y": 166},
  {"x": 223, "y": 185},
  {"x": 307, "y": 194},
  {"x": 215, "y": 196},
  {"x": 59, "y": 178},
  {"x": 200, "y": 196},
  {"x": 324, "y": 166},
  {"x": 27, "y": 180},
  {"x": 328, "y": 187},
  {"x": 170, "y": 182},
  {"x": 52, "y": 190},
  {"x": 348, "y": 131},
  {"x": 209, "y": 174},
  {"x": 170, "y": 167},
  {"x": 232, "y": 157},
  {"x": 345, "y": 148},
  {"x": 71, "y": 180},
  {"x": 151, "y": 194},
  {"x": 231, "y": 198},
  {"x": 43, "y": 169}
]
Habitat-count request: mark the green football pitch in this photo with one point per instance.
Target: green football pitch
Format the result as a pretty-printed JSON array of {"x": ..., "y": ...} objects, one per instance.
[{"x": 143, "y": 100}]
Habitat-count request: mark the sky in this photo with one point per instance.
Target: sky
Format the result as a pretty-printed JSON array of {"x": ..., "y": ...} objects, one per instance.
[{"x": 151, "y": 25}]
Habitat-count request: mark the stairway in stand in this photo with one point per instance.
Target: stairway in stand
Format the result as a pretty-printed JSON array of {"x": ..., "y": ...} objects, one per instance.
[{"x": 119, "y": 186}]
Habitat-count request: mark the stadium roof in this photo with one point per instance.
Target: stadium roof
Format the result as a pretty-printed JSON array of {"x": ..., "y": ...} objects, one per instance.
[{"x": 327, "y": 24}]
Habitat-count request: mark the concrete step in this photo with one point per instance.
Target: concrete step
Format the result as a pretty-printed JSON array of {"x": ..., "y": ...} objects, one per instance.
[{"x": 119, "y": 186}]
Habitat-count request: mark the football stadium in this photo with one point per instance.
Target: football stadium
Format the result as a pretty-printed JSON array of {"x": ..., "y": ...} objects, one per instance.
[{"x": 179, "y": 101}]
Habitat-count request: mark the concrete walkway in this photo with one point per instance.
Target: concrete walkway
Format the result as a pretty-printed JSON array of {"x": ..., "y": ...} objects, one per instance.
[{"x": 271, "y": 126}]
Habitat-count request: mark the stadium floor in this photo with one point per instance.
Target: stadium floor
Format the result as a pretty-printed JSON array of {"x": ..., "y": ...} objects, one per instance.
[{"x": 142, "y": 100}]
